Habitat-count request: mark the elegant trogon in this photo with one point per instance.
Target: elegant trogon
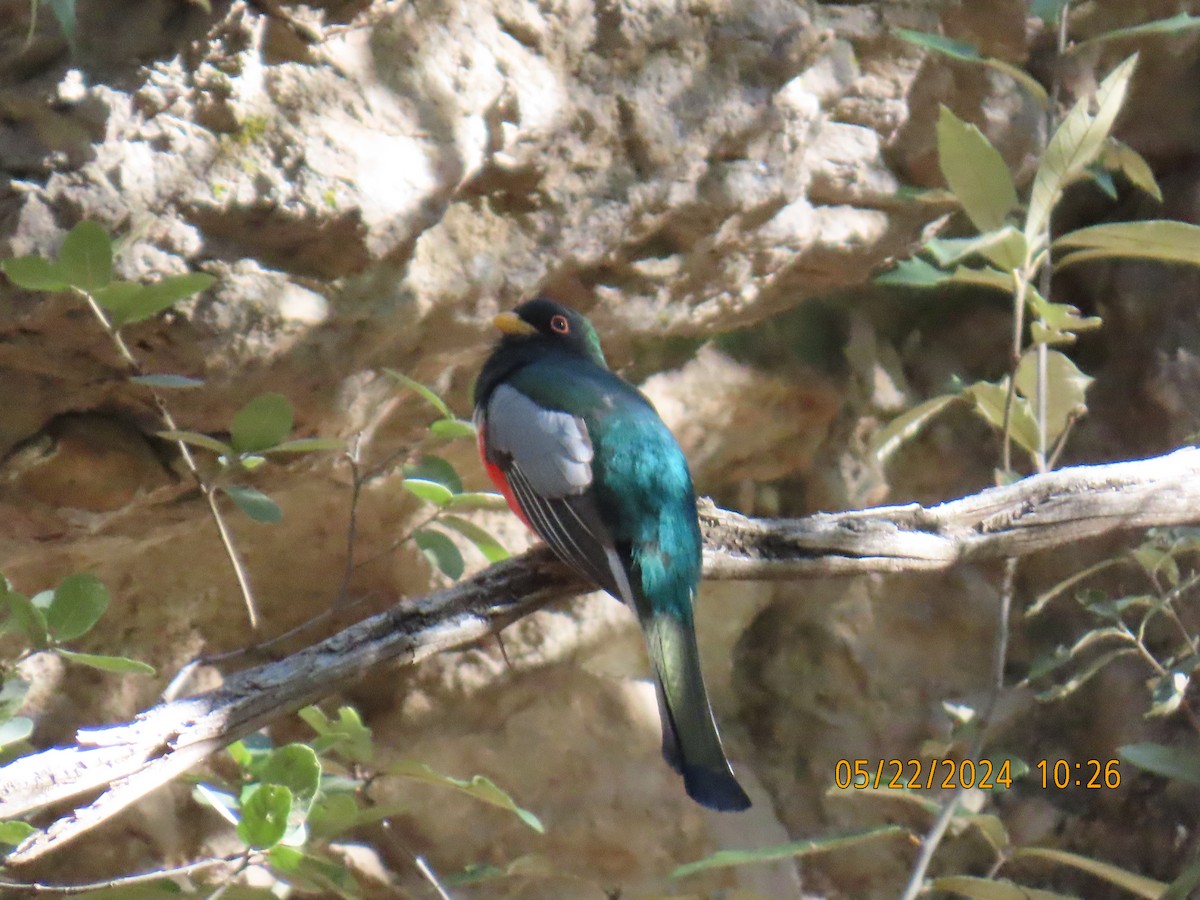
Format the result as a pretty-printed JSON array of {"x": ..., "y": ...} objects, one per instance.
[{"x": 583, "y": 458}]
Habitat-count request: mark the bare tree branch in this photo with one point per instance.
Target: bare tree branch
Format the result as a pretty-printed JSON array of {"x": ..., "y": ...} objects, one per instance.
[{"x": 1045, "y": 511}]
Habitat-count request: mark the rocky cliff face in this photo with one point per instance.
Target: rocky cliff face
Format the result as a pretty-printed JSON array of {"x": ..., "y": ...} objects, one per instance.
[{"x": 680, "y": 171}]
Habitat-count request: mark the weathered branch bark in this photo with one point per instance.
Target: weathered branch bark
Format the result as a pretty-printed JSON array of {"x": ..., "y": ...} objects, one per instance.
[{"x": 130, "y": 760}]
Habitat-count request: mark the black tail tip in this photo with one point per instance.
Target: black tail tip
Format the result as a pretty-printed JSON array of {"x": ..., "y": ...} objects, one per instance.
[{"x": 714, "y": 789}]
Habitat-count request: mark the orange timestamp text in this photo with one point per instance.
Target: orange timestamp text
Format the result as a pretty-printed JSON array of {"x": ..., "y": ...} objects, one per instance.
[
  {"x": 1095, "y": 774},
  {"x": 985, "y": 774},
  {"x": 897, "y": 774}
]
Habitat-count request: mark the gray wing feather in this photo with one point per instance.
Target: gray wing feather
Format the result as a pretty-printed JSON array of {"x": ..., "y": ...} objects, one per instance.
[
  {"x": 551, "y": 448},
  {"x": 546, "y": 456}
]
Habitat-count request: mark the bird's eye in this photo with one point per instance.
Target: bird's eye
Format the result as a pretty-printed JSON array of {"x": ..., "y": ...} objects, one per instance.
[{"x": 560, "y": 324}]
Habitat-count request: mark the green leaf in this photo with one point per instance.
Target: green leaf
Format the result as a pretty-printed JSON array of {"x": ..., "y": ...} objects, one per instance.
[
  {"x": 333, "y": 815},
  {"x": 478, "y": 500},
  {"x": 991, "y": 889},
  {"x": 307, "y": 445},
  {"x": 1047, "y": 10},
  {"x": 920, "y": 273},
  {"x": 154, "y": 298},
  {"x": 117, "y": 298},
  {"x": 975, "y": 171},
  {"x": 1103, "y": 179},
  {"x": 254, "y": 503},
  {"x": 1182, "y": 887},
  {"x": 33, "y": 273},
  {"x": 312, "y": 874},
  {"x": 251, "y": 753},
  {"x": 196, "y": 439},
  {"x": 434, "y": 468},
  {"x": 947, "y": 251},
  {"x": 1004, "y": 248},
  {"x": 1076, "y": 142},
  {"x": 452, "y": 428},
  {"x": 265, "y": 816},
  {"x": 907, "y": 425},
  {"x": 1049, "y": 594},
  {"x": 1066, "y": 388},
  {"x": 86, "y": 256},
  {"x": 120, "y": 664},
  {"x": 959, "y": 50},
  {"x": 14, "y": 831},
  {"x": 78, "y": 604},
  {"x": 1167, "y": 692},
  {"x": 908, "y": 796},
  {"x": 1056, "y": 323},
  {"x": 1135, "y": 884},
  {"x": 15, "y": 730},
  {"x": 1122, "y": 158},
  {"x": 1157, "y": 239},
  {"x": 986, "y": 277},
  {"x": 168, "y": 382},
  {"x": 64, "y": 11},
  {"x": 1156, "y": 561},
  {"x": 296, "y": 767},
  {"x": 431, "y": 491},
  {"x": 12, "y": 694},
  {"x": 1052, "y": 662},
  {"x": 440, "y": 551},
  {"x": 529, "y": 866},
  {"x": 1173, "y": 25},
  {"x": 990, "y": 827},
  {"x": 432, "y": 398},
  {"x": 28, "y": 617},
  {"x": 915, "y": 272},
  {"x": 353, "y": 738},
  {"x": 1084, "y": 675},
  {"x": 1089, "y": 639},
  {"x": 964, "y": 52},
  {"x": 287, "y": 859},
  {"x": 989, "y": 403},
  {"x": 1179, "y": 763},
  {"x": 261, "y": 424},
  {"x": 479, "y": 787},
  {"x": 725, "y": 858},
  {"x": 491, "y": 548}
]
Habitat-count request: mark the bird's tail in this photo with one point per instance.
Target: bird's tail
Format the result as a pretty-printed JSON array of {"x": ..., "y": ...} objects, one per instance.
[{"x": 690, "y": 740}]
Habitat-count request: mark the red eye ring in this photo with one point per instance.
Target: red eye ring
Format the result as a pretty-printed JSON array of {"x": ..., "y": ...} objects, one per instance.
[{"x": 560, "y": 324}]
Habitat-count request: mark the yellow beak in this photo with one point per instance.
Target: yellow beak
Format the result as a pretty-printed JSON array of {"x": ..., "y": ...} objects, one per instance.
[{"x": 511, "y": 323}]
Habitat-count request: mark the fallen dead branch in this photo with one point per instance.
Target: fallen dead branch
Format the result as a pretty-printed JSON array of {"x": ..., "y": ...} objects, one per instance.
[{"x": 129, "y": 760}]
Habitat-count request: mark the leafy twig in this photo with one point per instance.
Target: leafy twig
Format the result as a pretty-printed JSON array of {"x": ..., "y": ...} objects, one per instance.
[{"x": 164, "y": 412}]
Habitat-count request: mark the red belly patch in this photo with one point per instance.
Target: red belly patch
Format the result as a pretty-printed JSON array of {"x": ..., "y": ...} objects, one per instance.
[{"x": 496, "y": 474}]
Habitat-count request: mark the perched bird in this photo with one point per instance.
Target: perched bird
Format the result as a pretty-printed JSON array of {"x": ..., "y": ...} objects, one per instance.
[{"x": 584, "y": 460}]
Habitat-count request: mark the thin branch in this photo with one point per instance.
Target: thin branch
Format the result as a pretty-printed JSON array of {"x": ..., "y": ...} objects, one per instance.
[
  {"x": 129, "y": 760},
  {"x": 126, "y": 881},
  {"x": 1047, "y": 272},
  {"x": 164, "y": 413},
  {"x": 937, "y": 831},
  {"x": 1021, "y": 280}
]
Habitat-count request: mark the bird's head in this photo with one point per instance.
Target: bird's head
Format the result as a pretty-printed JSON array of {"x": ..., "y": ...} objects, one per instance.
[{"x": 550, "y": 324}]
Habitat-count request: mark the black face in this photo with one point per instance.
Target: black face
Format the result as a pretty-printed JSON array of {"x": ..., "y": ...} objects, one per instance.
[
  {"x": 565, "y": 327},
  {"x": 531, "y": 331},
  {"x": 551, "y": 319}
]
